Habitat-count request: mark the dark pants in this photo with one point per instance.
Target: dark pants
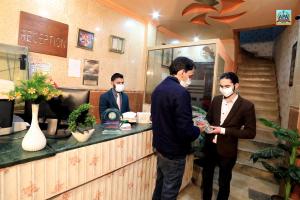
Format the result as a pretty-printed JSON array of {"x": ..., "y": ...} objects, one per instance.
[
  {"x": 169, "y": 178},
  {"x": 212, "y": 159}
]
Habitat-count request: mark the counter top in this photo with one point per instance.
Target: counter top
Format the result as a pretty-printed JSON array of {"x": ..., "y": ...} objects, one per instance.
[
  {"x": 59, "y": 145},
  {"x": 11, "y": 152}
]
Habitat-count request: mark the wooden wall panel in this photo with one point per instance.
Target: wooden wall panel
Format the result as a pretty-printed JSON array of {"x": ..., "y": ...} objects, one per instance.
[
  {"x": 123, "y": 168},
  {"x": 133, "y": 182}
]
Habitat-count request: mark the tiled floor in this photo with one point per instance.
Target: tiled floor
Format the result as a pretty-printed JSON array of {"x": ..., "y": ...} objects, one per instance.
[{"x": 240, "y": 186}]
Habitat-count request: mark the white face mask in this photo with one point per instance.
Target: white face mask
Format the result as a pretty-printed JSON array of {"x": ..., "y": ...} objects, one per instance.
[
  {"x": 186, "y": 83},
  {"x": 227, "y": 91},
  {"x": 119, "y": 87}
]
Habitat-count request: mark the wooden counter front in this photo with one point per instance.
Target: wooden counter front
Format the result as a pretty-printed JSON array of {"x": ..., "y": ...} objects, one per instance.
[{"x": 123, "y": 168}]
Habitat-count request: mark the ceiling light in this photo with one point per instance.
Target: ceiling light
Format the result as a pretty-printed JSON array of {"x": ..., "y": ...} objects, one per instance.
[
  {"x": 97, "y": 29},
  {"x": 175, "y": 42},
  {"x": 155, "y": 15},
  {"x": 129, "y": 23},
  {"x": 44, "y": 13},
  {"x": 196, "y": 39}
]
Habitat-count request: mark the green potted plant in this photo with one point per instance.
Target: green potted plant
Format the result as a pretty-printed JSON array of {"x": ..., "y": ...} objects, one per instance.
[
  {"x": 81, "y": 123},
  {"x": 286, "y": 148},
  {"x": 38, "y": 88}
]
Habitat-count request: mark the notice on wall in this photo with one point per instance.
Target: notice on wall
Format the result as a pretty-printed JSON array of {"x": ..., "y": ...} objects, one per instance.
[
  {"x": 44, "y": 68},
  {"x": 37, "y": 64},
  {"x": 74, "y": 68},
  {"x": 90, "y": 72}
]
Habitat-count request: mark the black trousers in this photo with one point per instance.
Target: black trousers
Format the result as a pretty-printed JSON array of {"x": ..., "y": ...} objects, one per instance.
[
  {"x": 211, "y": 160},
  {"x": 169, "y": 178}
]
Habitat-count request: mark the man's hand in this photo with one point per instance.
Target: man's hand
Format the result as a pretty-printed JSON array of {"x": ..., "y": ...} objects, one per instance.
[
  {"x": 201, "y": 126},
  {"x": 216, "y": 130}
]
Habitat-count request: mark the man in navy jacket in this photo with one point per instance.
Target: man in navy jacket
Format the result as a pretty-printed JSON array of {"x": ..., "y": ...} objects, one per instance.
[
  {"x": 173, "y": 129},
  {"x": 115, "y": 97}
]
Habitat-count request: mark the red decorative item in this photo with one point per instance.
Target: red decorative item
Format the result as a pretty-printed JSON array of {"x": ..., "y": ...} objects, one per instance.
[
  {"x": 230, "y": 5},
  {"x": 227, "y": 19},
  {"x": 198, "y": 9},
  {"x": 200, "y": 20}
]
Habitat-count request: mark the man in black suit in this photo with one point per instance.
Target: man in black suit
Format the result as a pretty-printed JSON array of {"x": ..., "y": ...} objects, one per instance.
[
  {"x": 115, "y": 97},
  {"x": 232, "y": 117},
  {"x": 173, "y": 129}
]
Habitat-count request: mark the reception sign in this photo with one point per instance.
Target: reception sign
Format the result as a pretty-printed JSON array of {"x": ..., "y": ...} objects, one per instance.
[{"x": 42, "y": 35}]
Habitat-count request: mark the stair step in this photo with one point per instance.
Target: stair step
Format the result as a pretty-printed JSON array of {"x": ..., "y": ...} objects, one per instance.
[
  {"x": 264, "y": 135},
  {"x": 244, "y": 159},
  {"x": 254, "y": 172},
  {"x": 256, "y": 61},
  {"x": 269, "y": 117},
  {"x": 265, "y": 76},
  {"x": 257, "y": 69},
  {"x": 261, "y": 98},
  {"x": 254, "y": 89},
  {"x": 259, "y": 79},
  {"x": 262, "y": 95},
  {"x": 254, "y": 64},
  {"x": 252, "y": 145},
  {"x": 246, "y": 72},
  {"x": 257, "y": 85},
  {"x": 267, "y": 113},
  {"x": 264, "y": 103}
]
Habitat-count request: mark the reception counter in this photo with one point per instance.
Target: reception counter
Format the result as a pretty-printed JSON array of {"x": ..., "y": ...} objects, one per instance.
[{"x": 107, "y": 166}]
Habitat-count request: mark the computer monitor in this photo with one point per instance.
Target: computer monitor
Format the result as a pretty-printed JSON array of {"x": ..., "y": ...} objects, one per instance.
[
  {"x": 6, "y": 113},
  {"x": 59, "y": 107}
]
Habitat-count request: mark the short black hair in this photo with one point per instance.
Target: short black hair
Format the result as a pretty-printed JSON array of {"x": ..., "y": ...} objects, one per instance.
[
  {"x": 230, "y": 75},
  {"x": 115, "y": 76},
  {"x": 181, "y": 63}
]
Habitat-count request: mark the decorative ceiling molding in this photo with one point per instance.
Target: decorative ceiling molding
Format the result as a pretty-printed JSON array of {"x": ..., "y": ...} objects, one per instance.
[
  {"x": 227, "y": 19},
  {"x": 171, "y": 34},
  {"x": 230, "y": 5},
  {"x": 200, "y": 20},
  {"x": 196, "y": 8},
  {"x": 209, "y": 2}
]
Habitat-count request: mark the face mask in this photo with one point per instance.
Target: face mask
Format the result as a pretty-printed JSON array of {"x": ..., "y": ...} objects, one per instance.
[
  {"x": 227, "y": 91},
  {"x": 119, "y": 87},
  {"x": 186, "y": 83}
]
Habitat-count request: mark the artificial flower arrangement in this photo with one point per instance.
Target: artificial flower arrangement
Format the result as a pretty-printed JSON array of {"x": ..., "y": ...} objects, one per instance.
[{"x": 36, "y": 89}]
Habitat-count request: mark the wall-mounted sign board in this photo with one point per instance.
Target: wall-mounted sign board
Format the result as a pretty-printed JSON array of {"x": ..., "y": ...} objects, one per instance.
[{"x": 42, "y": 35}]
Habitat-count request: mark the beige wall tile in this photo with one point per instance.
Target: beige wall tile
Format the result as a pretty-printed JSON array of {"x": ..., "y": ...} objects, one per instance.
[{"x": 86, "y": 15}]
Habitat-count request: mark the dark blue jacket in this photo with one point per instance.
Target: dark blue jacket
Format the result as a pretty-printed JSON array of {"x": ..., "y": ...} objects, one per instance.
[
  {"x": 107, "y": 100},
  {"x": 171, "y": 112}
]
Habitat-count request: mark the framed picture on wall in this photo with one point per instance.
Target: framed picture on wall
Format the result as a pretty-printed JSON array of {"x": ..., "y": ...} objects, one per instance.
[
  {"x": 85, "y": 39},
  {"x": 117, "y": 44},
  {"x": 293, "y": 62},
  {"x": 167, "y": 57},
  {"x": 90, "y": 72}
]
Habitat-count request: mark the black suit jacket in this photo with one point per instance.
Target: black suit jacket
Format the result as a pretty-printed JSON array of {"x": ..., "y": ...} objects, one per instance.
[
  {"x": 240, "y": 123},
  {"x": 107, "y": 100}
]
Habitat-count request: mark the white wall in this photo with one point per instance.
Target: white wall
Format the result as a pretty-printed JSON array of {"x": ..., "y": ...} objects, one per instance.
[{"x": 289, "y": 96}]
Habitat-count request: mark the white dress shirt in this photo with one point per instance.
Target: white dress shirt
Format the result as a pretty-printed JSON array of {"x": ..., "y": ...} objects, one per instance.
[{"x": 225, "y": 109}]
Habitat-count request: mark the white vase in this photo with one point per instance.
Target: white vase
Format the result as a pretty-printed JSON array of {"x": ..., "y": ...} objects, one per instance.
[{"x": 34, "y": 139}]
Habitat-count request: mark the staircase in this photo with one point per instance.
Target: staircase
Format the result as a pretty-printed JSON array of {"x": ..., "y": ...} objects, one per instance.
[{"x": 259, "y": 85}]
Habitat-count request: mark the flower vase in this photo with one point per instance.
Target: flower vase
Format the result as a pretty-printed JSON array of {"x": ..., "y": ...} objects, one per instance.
[{"x": 34, "y": 139}]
